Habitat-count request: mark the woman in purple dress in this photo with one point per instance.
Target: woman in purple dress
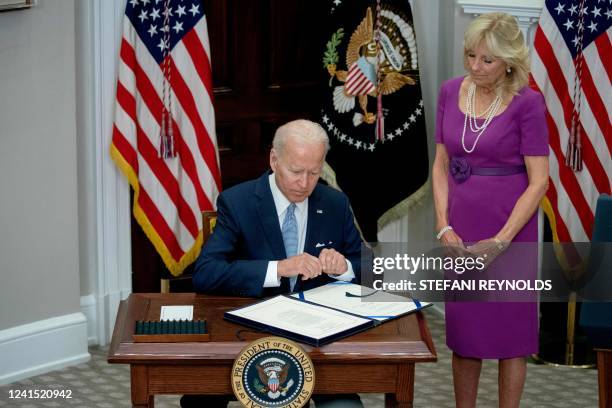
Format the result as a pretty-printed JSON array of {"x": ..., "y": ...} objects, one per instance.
[{"x": 493, "y": 124}]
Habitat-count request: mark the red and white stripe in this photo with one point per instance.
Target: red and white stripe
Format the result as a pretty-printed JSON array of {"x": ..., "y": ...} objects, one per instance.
[
  {"x": 357, "y": 83},
  {"x": 170, "y": 193},
  {"x": 573, "y": 195}
]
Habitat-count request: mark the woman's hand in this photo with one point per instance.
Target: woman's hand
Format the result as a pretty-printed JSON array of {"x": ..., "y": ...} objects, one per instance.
[
  {"x": 450, "y": 238},
  {"x": 453, "y": 244},
  {"x": 488, "y": 249}
]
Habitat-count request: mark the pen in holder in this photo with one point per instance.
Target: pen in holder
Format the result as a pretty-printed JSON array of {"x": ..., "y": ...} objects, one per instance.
[{"x": 170, "y": 331}]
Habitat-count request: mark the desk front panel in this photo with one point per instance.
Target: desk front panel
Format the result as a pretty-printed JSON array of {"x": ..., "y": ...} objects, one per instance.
[{"x": 329, "y": 378}]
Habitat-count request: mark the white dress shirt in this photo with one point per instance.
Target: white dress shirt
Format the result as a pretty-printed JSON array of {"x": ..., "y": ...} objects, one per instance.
[{"x": 301, "y": 215}]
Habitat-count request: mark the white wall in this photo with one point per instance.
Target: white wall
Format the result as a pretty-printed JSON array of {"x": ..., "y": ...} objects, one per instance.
[
  {"x": 85, "y": 149},
  {"x": 38, "y": 210},
  {"x": 39, "y": 253}
]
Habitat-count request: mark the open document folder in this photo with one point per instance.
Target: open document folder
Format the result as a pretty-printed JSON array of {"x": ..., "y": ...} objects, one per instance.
[{"x": 324, "y": 314}]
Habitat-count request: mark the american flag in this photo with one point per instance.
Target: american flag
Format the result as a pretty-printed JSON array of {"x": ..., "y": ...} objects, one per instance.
[
  {"x": 165, "y": 78},
  {"x": 572, "y": 67}
]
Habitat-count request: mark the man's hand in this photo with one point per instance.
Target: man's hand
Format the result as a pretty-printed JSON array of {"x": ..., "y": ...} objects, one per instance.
[
  {"x": 303, "y": 264},
  {"x": 332, "y": 262}
]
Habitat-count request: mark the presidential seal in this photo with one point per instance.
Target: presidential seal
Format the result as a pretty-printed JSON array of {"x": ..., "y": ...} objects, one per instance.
[{"x": 273, "y": 372}]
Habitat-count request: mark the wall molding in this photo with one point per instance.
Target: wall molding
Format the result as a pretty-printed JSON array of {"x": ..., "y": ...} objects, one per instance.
[
  {"x": 100, "y": 24},
  {"x": 89, "y": 308},
  {"x": 527, "y": 12},
  {"x": 42, "y": 346},
  {"x": 113, "y": 196}
]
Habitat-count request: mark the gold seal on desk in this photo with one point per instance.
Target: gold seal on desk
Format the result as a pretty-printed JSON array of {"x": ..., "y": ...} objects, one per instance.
[{"x": 273, "y": 372}]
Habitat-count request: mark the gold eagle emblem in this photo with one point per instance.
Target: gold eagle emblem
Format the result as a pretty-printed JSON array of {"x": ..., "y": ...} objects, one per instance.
[{"x": 370, "y": 70}]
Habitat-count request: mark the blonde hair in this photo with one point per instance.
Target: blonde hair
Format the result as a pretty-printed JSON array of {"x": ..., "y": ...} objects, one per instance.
[
  {"x": 302, "y": 130},
  {"x": 504, "y": 39}
]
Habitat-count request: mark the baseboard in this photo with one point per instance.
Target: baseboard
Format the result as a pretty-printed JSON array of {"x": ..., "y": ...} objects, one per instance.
[
  {"x": 42, "y": 346},
  {"x": 100, "y": 313},
  {"x": 89, "y": 309}
]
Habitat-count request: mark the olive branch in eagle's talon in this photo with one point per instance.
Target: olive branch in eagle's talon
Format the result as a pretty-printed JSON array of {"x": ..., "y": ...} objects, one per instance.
[{"x": 330, "y": 57}]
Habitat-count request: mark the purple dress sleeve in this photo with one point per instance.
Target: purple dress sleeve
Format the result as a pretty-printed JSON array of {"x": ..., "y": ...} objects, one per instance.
[
  {"x": 440, "y": 114},
  {"x": 532, "y": 125}
]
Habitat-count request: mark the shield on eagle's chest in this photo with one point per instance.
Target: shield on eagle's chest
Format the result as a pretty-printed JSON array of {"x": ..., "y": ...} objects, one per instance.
[{"x": 273, "y": 384}]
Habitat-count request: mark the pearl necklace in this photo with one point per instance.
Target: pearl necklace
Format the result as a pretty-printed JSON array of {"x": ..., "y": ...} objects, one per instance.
[{"x": 470, "y": 116}]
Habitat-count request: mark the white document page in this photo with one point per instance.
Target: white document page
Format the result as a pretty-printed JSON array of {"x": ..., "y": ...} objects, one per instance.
[
  {"x": 182, "y": 312},
  {"x": 380, "y": 305},
  {"x": 299, "y": 317}
]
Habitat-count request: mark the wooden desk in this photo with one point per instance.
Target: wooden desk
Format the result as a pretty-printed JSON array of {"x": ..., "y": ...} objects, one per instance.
[
  {"x": 604, "y": 377},
  {"x": 380, "y": 360}
]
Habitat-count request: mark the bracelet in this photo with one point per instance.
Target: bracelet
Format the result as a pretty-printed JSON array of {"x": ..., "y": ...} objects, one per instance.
[
  {"x": 443, "y": 231},
  {"x": 500, "y": 245}
]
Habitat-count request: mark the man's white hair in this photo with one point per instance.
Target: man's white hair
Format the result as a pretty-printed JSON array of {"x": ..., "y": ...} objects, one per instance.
[{"x": 302, "y": 130}]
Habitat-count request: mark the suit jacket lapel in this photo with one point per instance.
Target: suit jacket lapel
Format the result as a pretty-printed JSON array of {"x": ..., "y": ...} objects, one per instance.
[{"x": 268, "y": 217}]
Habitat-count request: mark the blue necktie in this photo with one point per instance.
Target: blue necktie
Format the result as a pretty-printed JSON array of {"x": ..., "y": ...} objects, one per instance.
[{"x": 290, "y": 236}]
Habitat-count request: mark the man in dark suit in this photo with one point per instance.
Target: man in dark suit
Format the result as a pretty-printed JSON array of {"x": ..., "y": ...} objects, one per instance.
[
  {"x": 281, "y": 232},
  {"x": 247, "y": 254}
]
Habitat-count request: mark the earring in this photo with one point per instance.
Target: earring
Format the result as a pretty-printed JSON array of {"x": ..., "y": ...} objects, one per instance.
[{"x": 508, "y": 70}]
